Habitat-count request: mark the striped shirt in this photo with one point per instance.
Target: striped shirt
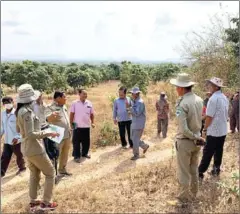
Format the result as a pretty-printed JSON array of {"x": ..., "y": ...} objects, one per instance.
[{"x": 217, "y": 108}]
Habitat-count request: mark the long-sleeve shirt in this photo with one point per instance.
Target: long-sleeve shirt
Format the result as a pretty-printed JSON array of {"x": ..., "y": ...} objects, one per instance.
[
  {"x": 189, "y": 116},
  {"x": 120, "y": 111},
  {"x": 8, "y": 127},
  {"x": 138, "y": 112}
]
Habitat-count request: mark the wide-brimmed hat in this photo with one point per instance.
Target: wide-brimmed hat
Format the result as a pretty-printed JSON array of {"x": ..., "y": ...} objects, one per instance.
[
  {"x": 26, "y": 94},
  {"x": 135, "y": 90},
  {"x": 183, "y": 80},
  {"x": 216, "y": 81}
]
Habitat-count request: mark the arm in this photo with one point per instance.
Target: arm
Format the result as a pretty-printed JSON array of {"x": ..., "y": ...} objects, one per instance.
[
  {"x": 182, "y": 119},
  {"x": 115, "y": 110},
  {"x": 167, "y": 107},
  {"x": 210, "y": 112},
  {"x": 92, "y": 117},
  {"x": 51, "y": 116},
  {"x": 138, "y": 109},
  {"x": 28, "y": 123},
  {"x": 2, "y": 127},
  {"x": 157, "y": 106}
]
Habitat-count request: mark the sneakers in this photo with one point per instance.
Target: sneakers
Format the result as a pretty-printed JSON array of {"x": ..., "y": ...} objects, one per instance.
[
  {"x": 51, "y": 206},
  {"x": 134, "y": 158},
  {"x": 77, "y": 160},
  {"x": 145, "y": 150},
  {"x": 21, "y": 171},
  {"x": 87, "y": 156},
  {"x": 33, "y": 205},
  {"x": 124, "y": 147},
  {"x": 66, "y": 173}
]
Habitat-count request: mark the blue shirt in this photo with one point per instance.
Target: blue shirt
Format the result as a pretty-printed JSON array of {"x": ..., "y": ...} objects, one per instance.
[
  {"x": 8, "y": 127},
  {"x": 120, "y": 111},
  {"x": 217, "y": 108},
  {"x": 138, "y": 114}
]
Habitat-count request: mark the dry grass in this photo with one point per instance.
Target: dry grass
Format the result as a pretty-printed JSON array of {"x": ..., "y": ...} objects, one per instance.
[{"x": 111, "y": 183}]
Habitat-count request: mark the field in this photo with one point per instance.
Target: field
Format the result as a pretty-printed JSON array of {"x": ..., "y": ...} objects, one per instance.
[{"x": 111, "y": 183}]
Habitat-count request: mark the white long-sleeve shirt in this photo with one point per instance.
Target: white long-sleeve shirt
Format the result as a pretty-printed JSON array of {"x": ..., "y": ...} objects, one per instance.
[{"x": 8, "y": 127}]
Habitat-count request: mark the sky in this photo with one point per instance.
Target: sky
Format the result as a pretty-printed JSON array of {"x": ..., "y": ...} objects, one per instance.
[{"x": 102, "y": 30}]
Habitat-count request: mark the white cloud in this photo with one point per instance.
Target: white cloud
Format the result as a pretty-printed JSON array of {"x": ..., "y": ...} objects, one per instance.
[{"x": 100, "y": 30}]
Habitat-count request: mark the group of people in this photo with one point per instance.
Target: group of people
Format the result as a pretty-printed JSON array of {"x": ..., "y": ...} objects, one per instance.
[
  {"x": 200, "y": 123},
  {"x": 27, "y": 135}
]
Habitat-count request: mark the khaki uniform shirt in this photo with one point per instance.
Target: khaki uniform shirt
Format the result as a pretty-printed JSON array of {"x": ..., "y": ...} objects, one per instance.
[
  {"x": 189, "y": 116},
  {"x": 64, "y": 119},
  {"x": 29, "y": 125}
]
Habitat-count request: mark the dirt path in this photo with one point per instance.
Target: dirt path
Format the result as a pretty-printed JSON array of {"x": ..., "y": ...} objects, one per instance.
[{"x": 103, "y": 162}]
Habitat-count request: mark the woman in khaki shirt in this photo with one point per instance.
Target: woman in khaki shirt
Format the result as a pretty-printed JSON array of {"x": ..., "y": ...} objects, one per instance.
[{"x": 32, "y": 147}]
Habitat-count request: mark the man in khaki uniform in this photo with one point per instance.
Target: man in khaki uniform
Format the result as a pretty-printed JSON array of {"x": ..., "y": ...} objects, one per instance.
[
  {"x": 189, "y": 117},
  {"x": 61, "y": 119},
  {"x": 28, "y": 125},
  {"x": 162, "y": 107}
]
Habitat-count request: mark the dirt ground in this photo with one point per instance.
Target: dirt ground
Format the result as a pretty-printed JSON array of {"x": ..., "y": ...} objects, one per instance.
[{"x": 111, "y": 183}]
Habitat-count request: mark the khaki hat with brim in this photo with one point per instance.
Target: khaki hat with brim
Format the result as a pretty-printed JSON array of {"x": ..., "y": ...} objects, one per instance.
[
  {"x": 26, "y": 94},
  {"x": 183, "y": 80},
  {"x": 216, "y": 81}
]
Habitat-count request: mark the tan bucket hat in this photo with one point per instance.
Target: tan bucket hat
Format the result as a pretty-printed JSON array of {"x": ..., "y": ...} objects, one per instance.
[
  {"x": 26, "y": 94},
  {"x": 135, "y": 90},
  {"x": 183, "y": 80},
  {"x": 216, "y": 81}
]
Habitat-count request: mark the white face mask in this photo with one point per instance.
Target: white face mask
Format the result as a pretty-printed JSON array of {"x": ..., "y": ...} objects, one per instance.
[{"x": 9, "y": 106}]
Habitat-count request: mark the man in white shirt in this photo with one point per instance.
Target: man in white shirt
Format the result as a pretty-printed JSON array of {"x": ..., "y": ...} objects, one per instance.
[
  {"x": 11, "y": 139},
  {"x": 215, "y": 128}
]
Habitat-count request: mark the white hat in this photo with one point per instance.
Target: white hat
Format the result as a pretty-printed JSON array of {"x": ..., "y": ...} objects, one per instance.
[
  {"x": 183, "y": 80},
  {"x": 26, "y": 94},
  {"x": 216, "y": 81},
  {"x": 163, "y": 93},
  {"x": 135, "y": 90}
]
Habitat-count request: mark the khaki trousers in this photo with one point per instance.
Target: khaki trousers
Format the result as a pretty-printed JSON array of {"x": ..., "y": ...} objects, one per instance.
[
  {"x": 38, "y": 164},
  {"x": 187, "y": 169},
  {"x": 64, "y": 148}
]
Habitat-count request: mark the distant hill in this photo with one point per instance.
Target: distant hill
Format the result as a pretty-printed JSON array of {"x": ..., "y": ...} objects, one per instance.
[{"x": 90, "y": 61}]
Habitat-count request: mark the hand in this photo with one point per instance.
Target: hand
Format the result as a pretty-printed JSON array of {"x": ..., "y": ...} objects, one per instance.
[
  {"x": 14, "y": 141},
  {"x": 93, "y": 125},
  {"x": 54, "y": 117},
  {"x": 127, "y": 103},
  {"x": 201, "y": 142},
  {"x": 115, "y": 122},
  {"x": 204, "y": 134},
  {"x": 54, "y": 134}
]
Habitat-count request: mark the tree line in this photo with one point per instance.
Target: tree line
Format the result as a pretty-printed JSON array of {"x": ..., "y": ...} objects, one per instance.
[{"x": 50, "y": 76}]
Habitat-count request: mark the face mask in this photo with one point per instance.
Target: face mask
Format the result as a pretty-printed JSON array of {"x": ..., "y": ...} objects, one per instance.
[{"x": 9, "y": 106}]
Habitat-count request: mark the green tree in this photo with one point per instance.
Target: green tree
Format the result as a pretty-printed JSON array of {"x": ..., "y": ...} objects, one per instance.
[{"x": 134, "y": 75}]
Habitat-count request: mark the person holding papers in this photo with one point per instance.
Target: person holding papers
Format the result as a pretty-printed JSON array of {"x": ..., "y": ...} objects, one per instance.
[
  {"x": 57, "y": 114},
  {"x": 28, "y": 125}
]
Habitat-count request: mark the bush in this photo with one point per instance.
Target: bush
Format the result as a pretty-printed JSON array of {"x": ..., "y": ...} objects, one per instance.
[{"x": 108, "y": 135}]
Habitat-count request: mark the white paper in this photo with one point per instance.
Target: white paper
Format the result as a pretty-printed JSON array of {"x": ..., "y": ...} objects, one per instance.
[{"x": 59, "y": 130}]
